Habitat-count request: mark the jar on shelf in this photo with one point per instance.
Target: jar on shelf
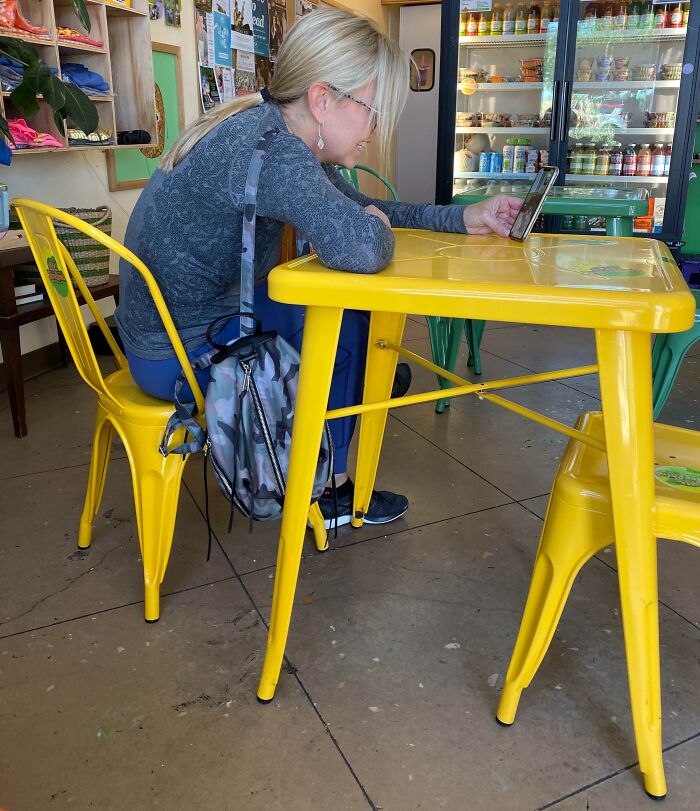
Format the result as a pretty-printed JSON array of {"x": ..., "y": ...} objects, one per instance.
[
  {"x": 629, "y": 160},
  {"x": 602, "y": 160},
  {"x": 588, "y": 159},
  {"x": 644, "y": 160},
  {"x": 658, "y": 161},
  {"x": 576, "y": 160}
]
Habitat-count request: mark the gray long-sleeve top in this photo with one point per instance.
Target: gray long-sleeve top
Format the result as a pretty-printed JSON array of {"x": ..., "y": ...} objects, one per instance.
[{"x": 187, "y": 228}]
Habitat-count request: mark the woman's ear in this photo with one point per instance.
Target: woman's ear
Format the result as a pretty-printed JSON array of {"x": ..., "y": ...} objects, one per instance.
[{"x": 318, "y": 97}]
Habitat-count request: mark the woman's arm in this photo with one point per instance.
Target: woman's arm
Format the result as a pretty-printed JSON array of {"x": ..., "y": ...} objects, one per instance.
[
  {"x": 294, "y": 189},
  {"x": 404, "y": 215}
]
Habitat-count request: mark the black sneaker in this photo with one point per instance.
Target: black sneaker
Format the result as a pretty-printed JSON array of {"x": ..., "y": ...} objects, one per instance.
[
  {"x": 402, "y": 380},
  {"x": 383, "y": 506}
]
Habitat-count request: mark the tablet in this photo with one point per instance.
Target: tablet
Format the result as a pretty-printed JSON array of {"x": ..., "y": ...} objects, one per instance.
[{"x": 534, "y": 200}]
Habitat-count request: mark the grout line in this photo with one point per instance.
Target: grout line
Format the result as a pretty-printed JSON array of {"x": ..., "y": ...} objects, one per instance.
[
  {"x": 614, "y": 774},
  {"x": 65, "y": 467},
  {"x": 287, "y": 665}
]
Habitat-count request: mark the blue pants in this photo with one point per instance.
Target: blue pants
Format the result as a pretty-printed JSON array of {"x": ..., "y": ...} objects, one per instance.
[{"x": 157, "y": 377}]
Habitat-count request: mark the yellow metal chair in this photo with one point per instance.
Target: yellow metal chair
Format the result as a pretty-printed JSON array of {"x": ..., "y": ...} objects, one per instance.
[
  {"x": 579, "y": 523},
  {"x": 121, "y": 405}
]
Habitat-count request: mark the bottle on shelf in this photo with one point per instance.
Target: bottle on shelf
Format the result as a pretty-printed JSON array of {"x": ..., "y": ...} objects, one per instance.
[
  {"x": 629, "y": 161},
  {"x": 634, "y": 13},
  {"x": 616, "y": 158},
  {"x": 497, "y": 20},
  {"x": 591, "y": 16},
  {"x": 646, "y": 19},
  {"x": 660, "y": 17},
  {"x": 546, "y": 17},
  {"x": 658, "y": 161},
  {"x": 509, "y": 156},
  {"x": 675, "y": 18},
  {"x": 686, "y": 14},
  {"x": 521, "y": 18},
  {"x": 472, "y": 24},
  {"x": 522, "y": 147},
  {"x": 667, "y": 159},
  {"x": 620, "y": 16},
  {"x": 605, "y": 23},
  {"x": 509, "y": 19},
  {"x": 644, "y": 160},
  {"x": 555, "y": 13},
  {"x": 463, "y": 24},
  {"x": 484, "y": 25},
  {"x": 533, "y": 19}
]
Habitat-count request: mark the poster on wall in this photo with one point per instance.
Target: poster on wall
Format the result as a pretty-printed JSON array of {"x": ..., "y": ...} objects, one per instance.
[
  {"x": 244, "y": 77},
  {"x": 204, "y": 32},
  {"x": 303, "y": 7},
  {"x": 261, "y": 27},
  {"x": 278, "y": 26},
  {"x": 224, "y": 83},
  {"x": 155, "y": 9},
  {"x": 172, "y": 13},
  {"x": 242, "y": 16},
  {"x": 222, "y": 7},
  {"x": 208, "y": 89},
  {"x": 222, "y": 40},
  {"x": 263, "y": 72}
]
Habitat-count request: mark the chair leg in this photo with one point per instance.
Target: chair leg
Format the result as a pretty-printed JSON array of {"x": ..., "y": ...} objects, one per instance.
[
  {"x": 156, "y": 483},
  {"x": 321, "y": 331},
  {"x": 442, "y": 337},
  {"x": 101, "y": 447},
  {"x": 379, "y": 375},
  {"x": 570, "y": 537},
  {"x": 474, "y": 332},
  {"x": 674, "y": 349},
  {"x": 318, "y": 525}
]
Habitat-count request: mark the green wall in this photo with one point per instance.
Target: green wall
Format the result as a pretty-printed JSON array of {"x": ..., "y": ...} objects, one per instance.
[{"x": 691, "y": 226}]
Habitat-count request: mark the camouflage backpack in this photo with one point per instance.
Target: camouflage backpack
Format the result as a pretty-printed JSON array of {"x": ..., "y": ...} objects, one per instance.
[{"x": 250, "y": 400}]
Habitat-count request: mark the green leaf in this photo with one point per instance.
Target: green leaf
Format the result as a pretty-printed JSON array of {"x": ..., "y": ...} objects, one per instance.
[
  {"x": 24, "y": 95},
  {"x": 80, "y": 109},
  {"x": 19, "y": 50},
  {"x": 58, "y": 117},
  {"x": 81, "y": 13},
  {"x": 52, "y": 89},
  {"x": 5, "y": 129}
]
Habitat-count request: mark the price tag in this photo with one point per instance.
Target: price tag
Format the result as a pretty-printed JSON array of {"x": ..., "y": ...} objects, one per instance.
[{"x": 475, "y": 5}]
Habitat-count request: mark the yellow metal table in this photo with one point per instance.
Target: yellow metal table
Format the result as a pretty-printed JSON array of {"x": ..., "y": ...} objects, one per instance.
[{"x": 624, "y": 289}]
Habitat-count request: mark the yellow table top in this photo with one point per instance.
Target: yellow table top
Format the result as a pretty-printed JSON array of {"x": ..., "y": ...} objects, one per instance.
[{"x": 577, "y": 281}]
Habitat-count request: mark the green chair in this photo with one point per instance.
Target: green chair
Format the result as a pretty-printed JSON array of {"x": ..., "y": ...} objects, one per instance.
[
  {"x": 445, "y": 333},
  {"x": 667, "y": 356}
]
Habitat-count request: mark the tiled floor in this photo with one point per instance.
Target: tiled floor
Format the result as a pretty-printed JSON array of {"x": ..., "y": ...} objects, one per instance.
[{"x": 399, "y": 641}]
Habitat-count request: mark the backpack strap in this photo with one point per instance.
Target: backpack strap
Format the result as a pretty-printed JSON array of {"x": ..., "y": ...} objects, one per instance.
[{"x": 247, "y": 325}]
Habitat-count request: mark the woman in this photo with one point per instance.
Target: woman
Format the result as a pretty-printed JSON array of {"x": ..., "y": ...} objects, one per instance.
[{"x": 339, "y": 83}]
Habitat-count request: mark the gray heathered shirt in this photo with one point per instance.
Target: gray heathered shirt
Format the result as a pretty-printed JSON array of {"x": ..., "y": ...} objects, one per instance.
[{"x": 187, "y": 228}]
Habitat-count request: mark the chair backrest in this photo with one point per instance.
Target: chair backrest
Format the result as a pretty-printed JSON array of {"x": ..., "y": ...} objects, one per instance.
[
  {"x": 59, "y": 272},
  {"x": 351, "y": 176}
]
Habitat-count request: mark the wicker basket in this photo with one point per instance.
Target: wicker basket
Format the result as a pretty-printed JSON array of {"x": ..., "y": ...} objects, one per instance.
[{"x": 90, "y": 257}]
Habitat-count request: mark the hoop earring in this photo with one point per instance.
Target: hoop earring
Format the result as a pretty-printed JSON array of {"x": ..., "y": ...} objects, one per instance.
[{"x": 320, "y": 143}]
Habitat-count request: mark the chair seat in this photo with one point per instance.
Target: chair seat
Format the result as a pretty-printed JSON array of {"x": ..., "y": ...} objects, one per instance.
[
  {"x": 133, "y": 404},
  {"x": 583, "y": 478}
]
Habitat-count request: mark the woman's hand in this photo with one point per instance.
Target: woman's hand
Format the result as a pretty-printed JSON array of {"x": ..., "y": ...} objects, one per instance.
[
  {"x": 375, "y": 212},
  {"x": 493, "y": 216}
]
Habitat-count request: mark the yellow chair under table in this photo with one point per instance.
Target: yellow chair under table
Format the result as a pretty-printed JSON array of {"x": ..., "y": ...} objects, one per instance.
[
  {"x": 121, "y": 405},
  {"x": 578, "y": 524}
]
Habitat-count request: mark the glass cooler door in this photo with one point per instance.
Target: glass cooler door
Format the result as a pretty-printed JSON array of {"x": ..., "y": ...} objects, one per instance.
[{"x": 620, "y": 103}]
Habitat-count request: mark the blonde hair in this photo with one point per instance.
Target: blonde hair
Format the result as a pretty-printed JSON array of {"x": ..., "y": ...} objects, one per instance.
[{"x": 328, "y": 45}]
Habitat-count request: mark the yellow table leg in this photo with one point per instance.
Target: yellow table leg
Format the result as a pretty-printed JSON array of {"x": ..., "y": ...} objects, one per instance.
[
  {"x": 379, "y": 376},
  {"x": 625, "y": 384},
  {"x": 321, "y": 330}
]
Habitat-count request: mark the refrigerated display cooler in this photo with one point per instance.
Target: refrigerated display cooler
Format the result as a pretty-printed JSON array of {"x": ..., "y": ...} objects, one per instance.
[{"x": 605, "y": 91}]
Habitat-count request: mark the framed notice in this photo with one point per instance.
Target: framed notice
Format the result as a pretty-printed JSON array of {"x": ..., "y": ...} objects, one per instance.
[{"x": 131, "y": 168}]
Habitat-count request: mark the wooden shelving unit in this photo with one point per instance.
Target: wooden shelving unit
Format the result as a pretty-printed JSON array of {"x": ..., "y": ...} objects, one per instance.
[{"x": 124, "y": 61}]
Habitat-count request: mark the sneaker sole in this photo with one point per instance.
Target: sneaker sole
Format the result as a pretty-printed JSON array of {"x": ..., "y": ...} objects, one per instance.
[{"x": 375, "y": 521}]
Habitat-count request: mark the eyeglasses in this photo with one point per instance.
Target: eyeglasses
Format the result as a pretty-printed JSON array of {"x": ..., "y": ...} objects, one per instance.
[{"x": 374, "y": 112}]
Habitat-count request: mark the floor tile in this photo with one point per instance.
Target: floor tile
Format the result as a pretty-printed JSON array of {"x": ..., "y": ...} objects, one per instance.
[
  {"x": 403, "y": 646},
  {"x": 409, "y": 465},
  {"x": 537, "y": 505},
  {"x": 683, "y": 405},
  {"x": 44, "y": 578},
  {"x": 542, "y": 348},
  {"x": 108, "y": 712},
  {"x": 682, "y": 765},
  {"x": 498, "y": 444}
]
